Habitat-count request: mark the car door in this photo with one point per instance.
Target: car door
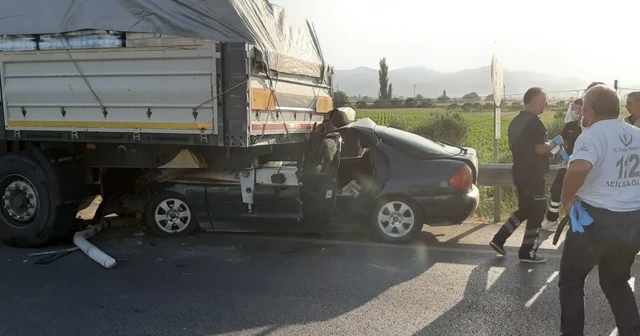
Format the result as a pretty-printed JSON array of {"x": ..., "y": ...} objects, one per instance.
[{"x": 319, "y": 180}]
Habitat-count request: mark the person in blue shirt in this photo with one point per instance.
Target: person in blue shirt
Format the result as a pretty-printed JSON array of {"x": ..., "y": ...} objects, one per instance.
[
  {"x": 600, "y": 192},
  {"x": 530, "y": 148}
]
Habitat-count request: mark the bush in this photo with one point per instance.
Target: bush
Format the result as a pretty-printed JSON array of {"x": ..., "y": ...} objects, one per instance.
[
  {"x": 362, "y": 104},
  {"x": 429, "y": 103},
  {"x": 381, "y": 104},
  {"x": 449, "y": 127},
  {"x": 410, "y": 103},
  {"x": 399, "y": 123}
]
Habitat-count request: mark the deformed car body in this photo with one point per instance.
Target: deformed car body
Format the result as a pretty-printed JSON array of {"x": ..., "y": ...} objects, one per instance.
[{"x": 361, "y": 176}]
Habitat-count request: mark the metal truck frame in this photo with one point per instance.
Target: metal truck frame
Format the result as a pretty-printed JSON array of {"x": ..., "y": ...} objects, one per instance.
[{"x": 81, "y": 122}]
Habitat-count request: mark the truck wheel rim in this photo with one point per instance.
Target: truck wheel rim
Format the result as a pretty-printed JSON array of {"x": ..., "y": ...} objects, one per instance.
[
  {"x": 20, "y": 200},
  {"x": 396, "y": 219},
  {"x": 172, "y": 215}
]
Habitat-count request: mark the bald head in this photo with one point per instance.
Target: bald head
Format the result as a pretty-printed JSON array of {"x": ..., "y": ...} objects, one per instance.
[{"x": 603, "y": 101}]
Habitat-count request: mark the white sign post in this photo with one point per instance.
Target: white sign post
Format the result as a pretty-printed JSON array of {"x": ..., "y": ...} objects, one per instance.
[{"x": 497, "y": 82}]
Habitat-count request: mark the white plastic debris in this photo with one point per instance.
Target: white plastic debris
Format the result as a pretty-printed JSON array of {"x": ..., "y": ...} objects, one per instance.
[
  {"x": 80, "y": 239},
  {"x": 351, "y": 189}
]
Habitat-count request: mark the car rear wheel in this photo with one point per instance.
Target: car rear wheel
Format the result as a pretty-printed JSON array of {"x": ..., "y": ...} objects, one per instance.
[
  {"x": 396, "y": 220},
  {"x": 170, "y": 214}
]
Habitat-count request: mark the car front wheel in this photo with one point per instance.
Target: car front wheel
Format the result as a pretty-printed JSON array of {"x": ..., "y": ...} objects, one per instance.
[
  {"x": 169, "y": 214},
  {"x": 396, "y": 220}
]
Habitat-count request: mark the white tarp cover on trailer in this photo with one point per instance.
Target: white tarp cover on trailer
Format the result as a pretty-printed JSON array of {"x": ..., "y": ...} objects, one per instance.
[{"x": 289, "y": 44}]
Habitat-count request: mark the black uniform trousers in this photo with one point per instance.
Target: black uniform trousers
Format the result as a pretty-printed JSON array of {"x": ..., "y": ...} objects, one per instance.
[
  {"x": 532, "y": 203},
  {"x": 556, "y": 191},
  {"x": 611, "y": 242}
]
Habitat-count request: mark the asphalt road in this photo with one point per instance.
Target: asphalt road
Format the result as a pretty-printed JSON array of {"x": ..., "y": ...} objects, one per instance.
[{"x": 449, "y": 283}]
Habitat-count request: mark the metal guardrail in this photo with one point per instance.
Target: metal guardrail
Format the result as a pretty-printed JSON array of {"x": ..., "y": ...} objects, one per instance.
[{"x": 498, "y": 175}]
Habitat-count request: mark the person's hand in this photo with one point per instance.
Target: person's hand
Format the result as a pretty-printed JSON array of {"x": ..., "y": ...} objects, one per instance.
[
  {"x": 567, "y": 206},
  {"x": 558, "y": 140}
]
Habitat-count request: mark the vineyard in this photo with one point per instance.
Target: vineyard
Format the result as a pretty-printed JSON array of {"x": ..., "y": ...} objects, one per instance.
[{"x": 480, "y": 137}]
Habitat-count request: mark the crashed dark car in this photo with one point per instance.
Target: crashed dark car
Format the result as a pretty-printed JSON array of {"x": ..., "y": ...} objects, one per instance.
[{"x": 362, "y": 176}]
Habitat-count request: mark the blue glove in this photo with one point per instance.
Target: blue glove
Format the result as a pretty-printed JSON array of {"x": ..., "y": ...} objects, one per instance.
[
  {"x": 565, "y": 156},
  {"x": 558, "y": 140},
  {"x": 579, "y": 217}
]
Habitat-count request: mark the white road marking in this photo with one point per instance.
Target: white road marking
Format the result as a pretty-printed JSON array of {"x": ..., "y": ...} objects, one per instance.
[{"x": 541, "y": 290}]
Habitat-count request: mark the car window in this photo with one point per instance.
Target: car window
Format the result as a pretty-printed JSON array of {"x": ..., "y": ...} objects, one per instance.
[{"x": 403, "y": 139}]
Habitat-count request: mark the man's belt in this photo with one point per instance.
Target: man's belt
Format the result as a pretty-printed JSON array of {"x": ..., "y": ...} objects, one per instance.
[{"x": 560, "y": 228}]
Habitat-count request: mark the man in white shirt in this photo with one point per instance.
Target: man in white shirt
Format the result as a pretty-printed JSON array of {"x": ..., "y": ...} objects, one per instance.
[{"x": 604, "y": 175}]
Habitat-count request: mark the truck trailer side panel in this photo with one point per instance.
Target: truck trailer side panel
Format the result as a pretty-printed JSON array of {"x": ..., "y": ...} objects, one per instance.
[{"x": 150, "y": 90}]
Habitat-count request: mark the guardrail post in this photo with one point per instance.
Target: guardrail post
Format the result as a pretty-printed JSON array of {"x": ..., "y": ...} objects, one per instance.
[{"x": 497, "y": 204}]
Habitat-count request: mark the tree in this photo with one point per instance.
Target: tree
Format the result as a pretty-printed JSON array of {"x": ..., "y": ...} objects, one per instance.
[
  {"x": 340, "y": 99},
  {"x": 489, "y": 98},
  {"x": 444, "y": 98},
  {"x": 385, "y": 93},
  {"x": 471, "y": 97},
  {"x": 419, "y": 97}
]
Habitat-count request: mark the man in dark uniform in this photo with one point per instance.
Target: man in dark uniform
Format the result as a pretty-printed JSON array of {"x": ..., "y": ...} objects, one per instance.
[{"x": 530, "y": 149}]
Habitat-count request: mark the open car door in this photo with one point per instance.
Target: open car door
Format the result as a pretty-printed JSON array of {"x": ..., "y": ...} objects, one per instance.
[{"x": 319, "y": 180}]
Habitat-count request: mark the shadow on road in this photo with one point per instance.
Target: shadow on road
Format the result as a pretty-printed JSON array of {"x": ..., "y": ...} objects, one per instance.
[{"x": 264, "y": 284}]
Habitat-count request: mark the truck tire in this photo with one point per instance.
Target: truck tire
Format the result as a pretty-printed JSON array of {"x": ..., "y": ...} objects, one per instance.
[{"x": 28, "y": 214}]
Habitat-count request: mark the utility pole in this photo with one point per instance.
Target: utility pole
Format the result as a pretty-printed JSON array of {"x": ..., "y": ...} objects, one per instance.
[{"x": 414, "y": 91}]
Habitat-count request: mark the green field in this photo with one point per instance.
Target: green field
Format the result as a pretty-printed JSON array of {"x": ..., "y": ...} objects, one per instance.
[{"x": 480, "y": 137}]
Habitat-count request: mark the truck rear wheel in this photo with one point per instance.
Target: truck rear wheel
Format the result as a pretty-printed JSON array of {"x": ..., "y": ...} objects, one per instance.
[{"x": 28, "y": 216}]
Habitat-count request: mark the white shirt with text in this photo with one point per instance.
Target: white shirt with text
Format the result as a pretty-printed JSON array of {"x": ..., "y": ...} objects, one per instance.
[{"x": 613, "y": 148}]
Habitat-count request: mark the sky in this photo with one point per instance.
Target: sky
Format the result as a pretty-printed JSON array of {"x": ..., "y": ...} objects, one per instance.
[{"x": 590, "y": 41}]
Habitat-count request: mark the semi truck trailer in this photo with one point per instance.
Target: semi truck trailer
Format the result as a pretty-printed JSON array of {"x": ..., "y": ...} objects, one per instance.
[{"x": 101, "y": 97}]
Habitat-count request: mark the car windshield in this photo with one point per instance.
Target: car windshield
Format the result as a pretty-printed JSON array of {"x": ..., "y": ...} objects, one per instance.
[{"x": 400, "y": 138}]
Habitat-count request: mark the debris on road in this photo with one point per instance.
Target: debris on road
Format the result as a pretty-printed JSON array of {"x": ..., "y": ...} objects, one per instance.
[
  {"x": 51, "y": 257},
  {"x": 37, "y": 254},
  {"x": 80, "y": 239}
]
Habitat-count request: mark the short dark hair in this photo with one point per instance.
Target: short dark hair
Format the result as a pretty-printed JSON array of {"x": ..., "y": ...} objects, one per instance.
[
  {"x": 604, "y": 101},
  {"x": 635, "y": 96},
  {"x": 532, "y": 93}
]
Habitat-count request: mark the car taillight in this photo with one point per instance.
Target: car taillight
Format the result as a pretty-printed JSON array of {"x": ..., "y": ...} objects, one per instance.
[{"x": 462, "y": 178}]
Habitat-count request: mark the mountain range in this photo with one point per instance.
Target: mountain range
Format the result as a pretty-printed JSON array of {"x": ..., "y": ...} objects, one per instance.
[{"x": 363, "y": 81}]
